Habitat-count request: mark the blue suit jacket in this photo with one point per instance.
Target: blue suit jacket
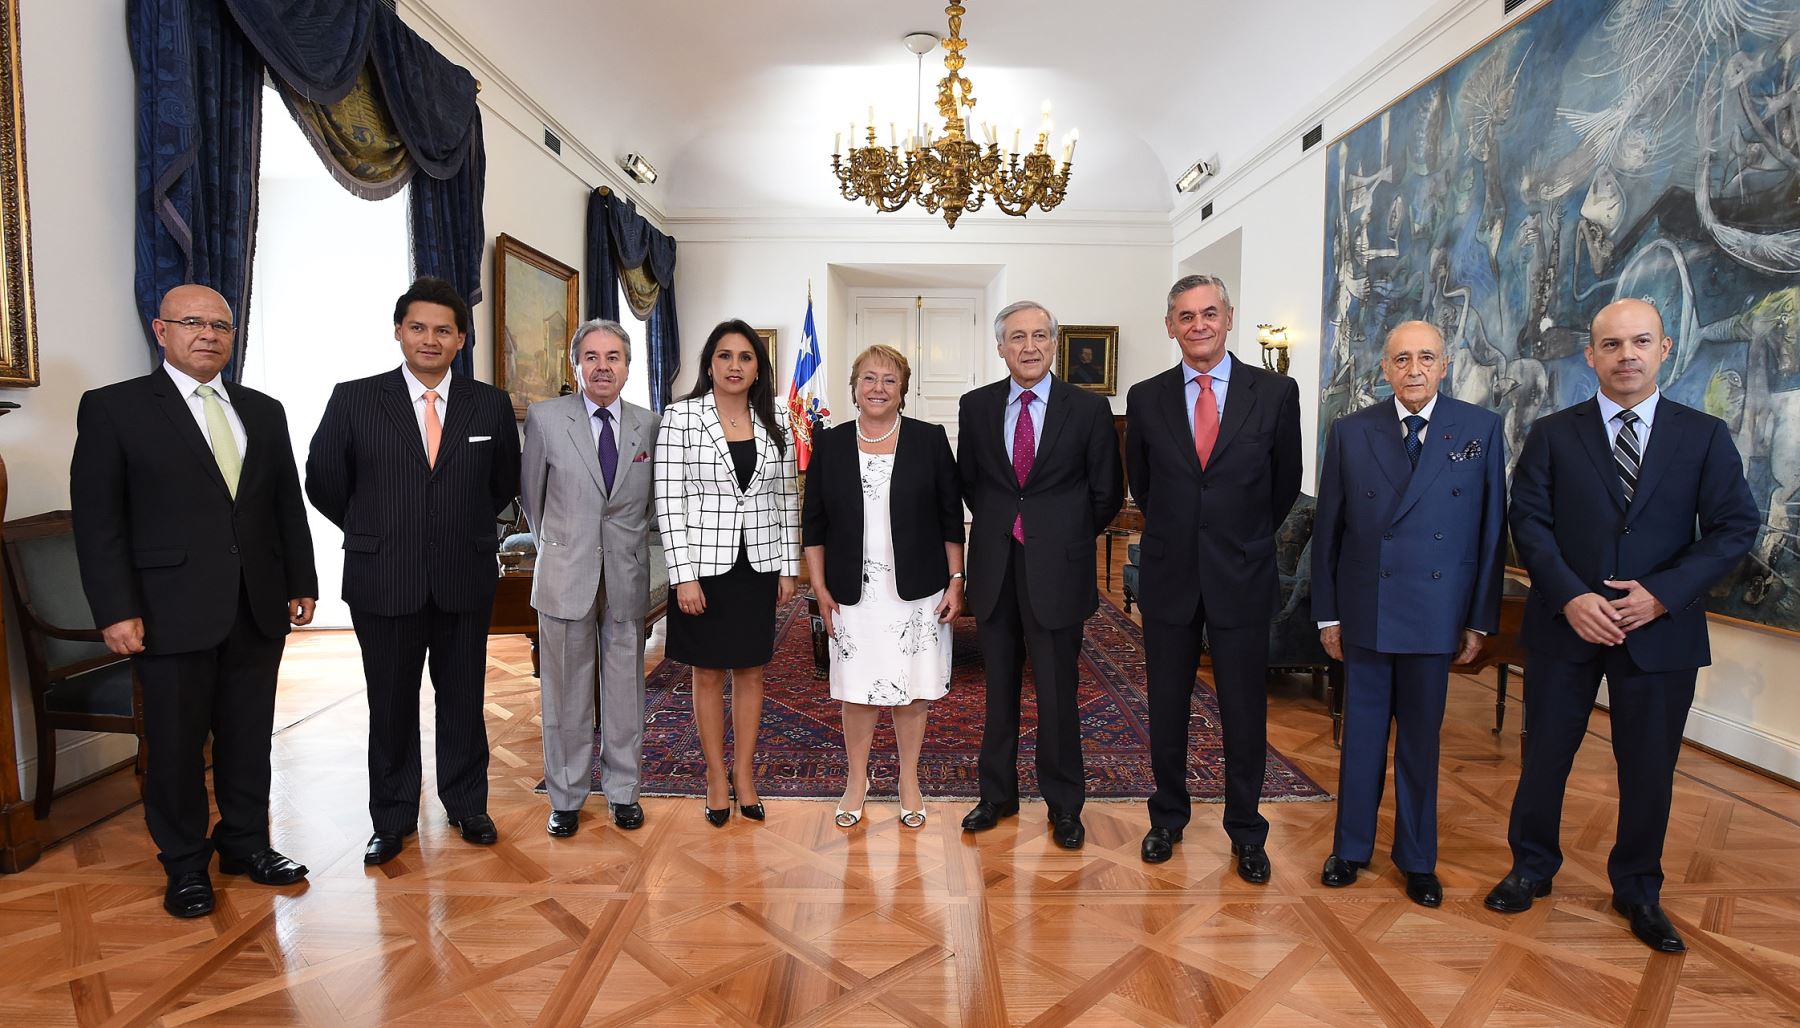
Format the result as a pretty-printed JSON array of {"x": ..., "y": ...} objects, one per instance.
[
  {"x": 1689, "y": 523},
  {"x": 1408, "y": 558}
]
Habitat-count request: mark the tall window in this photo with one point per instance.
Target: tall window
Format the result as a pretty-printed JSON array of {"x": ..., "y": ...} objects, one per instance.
[{"x": 637, "y": 384}]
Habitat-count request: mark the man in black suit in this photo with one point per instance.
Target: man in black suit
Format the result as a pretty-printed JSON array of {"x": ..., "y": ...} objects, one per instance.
[
  {"x": 196, "y": 559},
  {"x": 1626, "y": 509},
  {"x": 1212, "y": 450},
  {"x": 1039, "y": 463},
  {"x": 414, "y": 464}
]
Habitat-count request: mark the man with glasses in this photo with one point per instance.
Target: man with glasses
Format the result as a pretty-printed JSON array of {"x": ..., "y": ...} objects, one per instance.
[{"x": 196, "y": 560}]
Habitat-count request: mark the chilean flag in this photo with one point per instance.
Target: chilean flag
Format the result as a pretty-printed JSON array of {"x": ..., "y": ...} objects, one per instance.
[{"x": 806, "y": 411}]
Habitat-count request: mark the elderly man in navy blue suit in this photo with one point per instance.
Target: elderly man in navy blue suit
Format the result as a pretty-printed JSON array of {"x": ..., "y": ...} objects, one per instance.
[
  {"x": 1407, "y": 564},
  {"x": 1626, "y": 509}
]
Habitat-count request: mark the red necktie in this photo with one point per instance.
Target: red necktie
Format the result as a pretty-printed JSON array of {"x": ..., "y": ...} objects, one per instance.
[
  {"x": 1024, "y": 450},
  {"x": 1206, "y": 420}
]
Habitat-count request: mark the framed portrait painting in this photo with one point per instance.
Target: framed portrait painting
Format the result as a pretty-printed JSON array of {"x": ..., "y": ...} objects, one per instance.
[
  {"x": 768, "y": 339},
  {"x": 1088, "y": 356},
  {"x": 535, "y": 308}
]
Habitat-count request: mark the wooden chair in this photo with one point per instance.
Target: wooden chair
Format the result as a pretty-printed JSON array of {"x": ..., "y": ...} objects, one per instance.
[{"x": 77, "y": 684}]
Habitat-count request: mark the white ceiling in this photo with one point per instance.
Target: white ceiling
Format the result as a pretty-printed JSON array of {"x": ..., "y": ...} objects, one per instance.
[{"x": 736, "y": 102}]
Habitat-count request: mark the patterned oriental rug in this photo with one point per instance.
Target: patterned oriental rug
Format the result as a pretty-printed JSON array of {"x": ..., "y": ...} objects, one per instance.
[{"x": 801, "y": 753}]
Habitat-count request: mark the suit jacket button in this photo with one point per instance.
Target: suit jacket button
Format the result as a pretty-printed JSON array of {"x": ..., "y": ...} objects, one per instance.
[
  {"x": 1370, "y": 494},
  {"x": 1387, "y": 536},
  {"x": 1437, "y": 574},
  {"x": 1437, "y": 535},
  {"x": 234, "y": 549},
  {"x": 1456, "y": 492},
  {"x": 1627, "y": 529},
  {"x": 1385, "y": 573}
]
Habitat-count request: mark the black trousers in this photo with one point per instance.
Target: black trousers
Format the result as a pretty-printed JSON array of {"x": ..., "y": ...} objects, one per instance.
[
  {"x": 1649, "y": 711},
  {"x": 1008, "y": 636},
  {"x": 227, "y": 691},
  {"x": 1240, "y": 659},
  {"x": 394, "y": 653}
]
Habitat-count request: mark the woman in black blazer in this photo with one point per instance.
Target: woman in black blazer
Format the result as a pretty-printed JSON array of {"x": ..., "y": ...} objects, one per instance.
[{"x": 883, "y": 531}]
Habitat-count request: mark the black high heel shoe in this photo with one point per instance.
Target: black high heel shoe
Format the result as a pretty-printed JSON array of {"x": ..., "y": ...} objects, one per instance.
[
  {"x": 753, "y": 811},
  {"x": 717, "y": 818}
]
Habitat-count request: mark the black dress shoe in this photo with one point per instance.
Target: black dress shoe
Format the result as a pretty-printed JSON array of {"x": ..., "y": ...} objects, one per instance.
[
  {"x": 628, "y": 816},
  {"x": 717, "y": 818},
  {"x": 1159, "y": 844},
  {"x": 189, "y": 894},
  {"x": 1339, "y": 872},
  {"x": 986, "y": 815},
  {"x": 1651, "y": 926},
  {"x": 1252, "y": 863},
  {"x": 563, "y": 823},
  {"x": 1423, "y": 888},
  {"x": 1515, "y": 892},
  {"x": 1068, "y": 832},
  {"x": 752, "y": 811},
  {"x": 383, "y": 847},
  {"x": 265, "y": 868},
  {"x": 477, "y": 828}
]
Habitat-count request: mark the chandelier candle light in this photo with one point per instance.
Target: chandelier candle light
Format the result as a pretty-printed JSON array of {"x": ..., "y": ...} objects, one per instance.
[{"x": 953, "y": 173}]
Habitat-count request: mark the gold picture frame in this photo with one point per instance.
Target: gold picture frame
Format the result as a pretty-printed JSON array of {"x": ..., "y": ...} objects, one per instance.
[
  {"x": 18, "y": 301},
  {"x": 536, "y": 307},
  {"x": 1087, "y": 357},
  {"x": 768, "y": 338}
]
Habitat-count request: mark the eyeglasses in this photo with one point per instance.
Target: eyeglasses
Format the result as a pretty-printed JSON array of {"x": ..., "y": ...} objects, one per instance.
[{"x": 223, "y": 328}]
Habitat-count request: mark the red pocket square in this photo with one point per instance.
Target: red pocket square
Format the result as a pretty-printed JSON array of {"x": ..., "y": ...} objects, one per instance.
[{"x": 640, "y": 458}]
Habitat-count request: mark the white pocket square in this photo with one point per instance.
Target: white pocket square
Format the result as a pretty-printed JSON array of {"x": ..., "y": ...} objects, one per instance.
[{"x": 480, "y": 438}]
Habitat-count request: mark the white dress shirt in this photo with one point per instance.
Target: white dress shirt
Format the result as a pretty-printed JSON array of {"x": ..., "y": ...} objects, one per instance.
[
  {"x": 594, "y": 426},
  {"x": 1221, "y": 383},
  {"x": 1645, "y": 410},
  {"x": 1402, "y": 413},
  {"x": 1040, "y": 397},
  {"x": 197, "y": 405},
  {"x": 417, "y": 390}
]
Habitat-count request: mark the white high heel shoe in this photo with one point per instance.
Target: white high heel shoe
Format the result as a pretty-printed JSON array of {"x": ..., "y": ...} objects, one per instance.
[
  {"x": 851, "y": 818},
  {"x": 914, "y": 818}
]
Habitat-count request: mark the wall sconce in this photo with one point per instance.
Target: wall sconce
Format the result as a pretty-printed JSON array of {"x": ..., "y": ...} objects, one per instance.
[
  {"x": 1274, "y": 340},
  {"x": 638, "y": 168}
]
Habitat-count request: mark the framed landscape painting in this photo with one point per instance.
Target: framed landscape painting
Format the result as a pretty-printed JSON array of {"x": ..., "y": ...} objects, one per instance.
[{"x": 535, "y": 308}]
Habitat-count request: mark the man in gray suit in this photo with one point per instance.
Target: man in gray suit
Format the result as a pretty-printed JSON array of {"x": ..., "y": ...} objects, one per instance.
[{"x": 586, "y": 484}]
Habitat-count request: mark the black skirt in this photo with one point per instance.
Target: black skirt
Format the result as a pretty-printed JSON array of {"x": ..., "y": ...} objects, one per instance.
[{"x": 737, "y": 629}]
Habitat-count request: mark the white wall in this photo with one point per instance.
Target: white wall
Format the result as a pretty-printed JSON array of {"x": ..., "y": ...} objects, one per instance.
[
  {"x": 1087, "y": 274},
  {"x": 79, "y": 127},
  {"x": 1278, "y": 203}
]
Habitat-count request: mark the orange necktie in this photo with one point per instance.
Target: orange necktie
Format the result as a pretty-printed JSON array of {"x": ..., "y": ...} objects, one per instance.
[
  {"x": 1206, "y": 420},
  {"x": 434, "y": 429}
]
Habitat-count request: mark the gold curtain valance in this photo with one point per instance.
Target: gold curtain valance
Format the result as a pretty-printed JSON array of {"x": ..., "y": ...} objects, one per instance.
[
  {"x": 356, "y": 138},
  {"x": 641, "y": 290}
]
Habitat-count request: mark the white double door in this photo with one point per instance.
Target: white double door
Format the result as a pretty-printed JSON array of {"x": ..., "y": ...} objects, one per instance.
[{"x": 940, "y": 334}]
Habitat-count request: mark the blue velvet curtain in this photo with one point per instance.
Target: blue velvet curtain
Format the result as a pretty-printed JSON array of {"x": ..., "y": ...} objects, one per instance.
[
  {"x": 200, "y": 67},
  {"x": 432, "y": 102},
  {"x": 199, "y": 125},
  {"x": 619, "y": 237}
]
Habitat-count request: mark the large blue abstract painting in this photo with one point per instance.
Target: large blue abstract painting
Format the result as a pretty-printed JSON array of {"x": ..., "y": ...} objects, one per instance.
[{"x": 1596, "y": 149}]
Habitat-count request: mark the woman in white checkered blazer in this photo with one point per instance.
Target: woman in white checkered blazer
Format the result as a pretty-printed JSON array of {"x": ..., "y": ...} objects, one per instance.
[{"x": 729, "y": 510}]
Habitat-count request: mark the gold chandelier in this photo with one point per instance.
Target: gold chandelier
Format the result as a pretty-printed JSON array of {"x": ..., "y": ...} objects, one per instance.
[{"x": 954, "y": 173}]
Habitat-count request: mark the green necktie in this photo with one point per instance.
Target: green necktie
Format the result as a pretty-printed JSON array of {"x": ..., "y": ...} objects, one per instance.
[{"x": 224, "y": 444}]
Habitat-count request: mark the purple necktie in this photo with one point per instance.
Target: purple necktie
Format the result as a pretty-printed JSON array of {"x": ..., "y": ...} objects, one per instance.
[
  {"x": 609, "y": 450},
  {"x": 1024, "y": 450}
]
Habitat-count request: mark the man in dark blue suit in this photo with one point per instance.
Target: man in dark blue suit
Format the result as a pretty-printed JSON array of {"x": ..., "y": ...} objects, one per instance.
[
  {"x": 1626, "y": 509},
  {"x": 413, "y": 464},
  {"x": 1407, "y": 560}
]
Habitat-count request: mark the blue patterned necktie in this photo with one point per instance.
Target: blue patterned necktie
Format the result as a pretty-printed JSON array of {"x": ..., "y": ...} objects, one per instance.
[
  {"x": 609, "y": 449},
  {"x": 1414, "y": 442},
  {"x": 1626, "y": 453}
]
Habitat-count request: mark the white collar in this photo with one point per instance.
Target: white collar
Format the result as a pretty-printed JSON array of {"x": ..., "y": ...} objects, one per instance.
[
  {"x": 416, "y": 389},
  {"x": 1645, "y": 410},
  {"x": 187, "y": 383},
  {"x": 1424, "y": 412},
  {"x": 616, "y": 408}
]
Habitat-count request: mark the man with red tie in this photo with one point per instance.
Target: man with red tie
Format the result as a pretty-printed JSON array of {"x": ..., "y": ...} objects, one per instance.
[
  {"x": 1212, "y": 454},
  {"x": 1039, "y": 463}
]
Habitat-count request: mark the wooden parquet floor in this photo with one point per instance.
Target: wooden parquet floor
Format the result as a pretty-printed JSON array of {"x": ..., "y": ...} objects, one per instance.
[{"x": 793, "y": 922}]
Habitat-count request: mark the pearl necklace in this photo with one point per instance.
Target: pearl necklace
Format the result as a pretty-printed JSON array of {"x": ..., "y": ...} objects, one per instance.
[{"x": 882, "y": 438}]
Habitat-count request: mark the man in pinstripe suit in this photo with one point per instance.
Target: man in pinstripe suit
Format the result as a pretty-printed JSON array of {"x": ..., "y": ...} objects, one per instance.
[{"x": 414, "y": 464}]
